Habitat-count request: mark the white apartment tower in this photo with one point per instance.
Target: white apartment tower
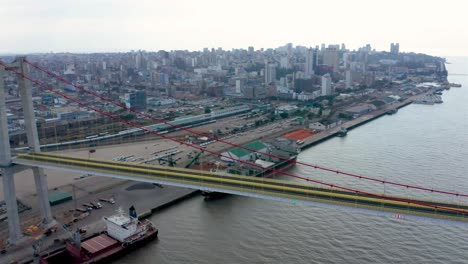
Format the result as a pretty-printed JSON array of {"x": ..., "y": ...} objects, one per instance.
[
  {"x": 270, "y": 73},
  {"x": 326, "y": 85},
  {"x": 349, "y": 79},
  {"x": 309, "y": 65}
]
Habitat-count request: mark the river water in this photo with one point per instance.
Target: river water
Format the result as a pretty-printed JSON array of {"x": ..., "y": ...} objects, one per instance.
[{"x": 421, "y": 144}]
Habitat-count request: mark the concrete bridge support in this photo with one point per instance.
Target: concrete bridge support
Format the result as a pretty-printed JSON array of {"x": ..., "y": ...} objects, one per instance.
[
  {"x": 9, "y": 190},
  {"x": 40, "y": 178}
]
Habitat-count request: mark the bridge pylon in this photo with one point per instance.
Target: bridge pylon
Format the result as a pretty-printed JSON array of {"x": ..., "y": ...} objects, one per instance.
[
  {"x": 8, "y": 179},
  {"x": 40, "y": 179}
]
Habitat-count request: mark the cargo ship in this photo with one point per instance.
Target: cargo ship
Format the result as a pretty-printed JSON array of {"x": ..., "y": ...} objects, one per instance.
[
  {"x": 456, "y": 85},
  {"x": 280, "y": 147},
  {"x": 123, "y": 234}
]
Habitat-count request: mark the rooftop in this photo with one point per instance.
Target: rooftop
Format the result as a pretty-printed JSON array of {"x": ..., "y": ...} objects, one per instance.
[
  {"x": 298, "y": 134},
  {"x": 255, "y": 145}
]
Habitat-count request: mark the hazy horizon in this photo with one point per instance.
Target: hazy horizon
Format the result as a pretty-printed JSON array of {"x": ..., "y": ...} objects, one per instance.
[
  {"x": 200, "y": 50},
  {"x": 97, "y": 26}
]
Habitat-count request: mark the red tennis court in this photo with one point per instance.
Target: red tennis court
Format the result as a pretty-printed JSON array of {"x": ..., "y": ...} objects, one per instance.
[{"x": 298, "y": 134}]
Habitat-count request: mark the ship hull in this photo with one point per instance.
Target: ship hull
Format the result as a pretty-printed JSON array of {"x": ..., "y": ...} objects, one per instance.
[{"x": 107, "y": 256}]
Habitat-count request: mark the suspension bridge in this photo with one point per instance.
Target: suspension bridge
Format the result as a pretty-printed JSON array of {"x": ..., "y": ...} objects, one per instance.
[{"x": 311, "y": 191}]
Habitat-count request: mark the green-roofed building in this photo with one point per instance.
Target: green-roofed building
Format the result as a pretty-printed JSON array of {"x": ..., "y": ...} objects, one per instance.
[
  {"x": 244, "y": 154},
  {"x": 389, "y": 100},
  {"x": 59, "y": 197}
]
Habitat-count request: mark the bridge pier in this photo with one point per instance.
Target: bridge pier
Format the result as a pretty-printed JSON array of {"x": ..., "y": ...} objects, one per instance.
[
  {"x": 40, "y": 178},
  {"x": 9, "y": 190}
]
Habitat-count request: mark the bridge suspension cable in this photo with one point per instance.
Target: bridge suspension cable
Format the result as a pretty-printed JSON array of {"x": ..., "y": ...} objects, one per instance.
[
  {"x": 361, "y": 177},
  {"x": 105, "y": 113}
]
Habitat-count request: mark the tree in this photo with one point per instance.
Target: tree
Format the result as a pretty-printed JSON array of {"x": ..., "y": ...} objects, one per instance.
[{"x": 207, "y": 110}]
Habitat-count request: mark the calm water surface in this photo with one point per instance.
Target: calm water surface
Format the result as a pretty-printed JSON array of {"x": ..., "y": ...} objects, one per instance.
[{"x": 422, "y": 145}]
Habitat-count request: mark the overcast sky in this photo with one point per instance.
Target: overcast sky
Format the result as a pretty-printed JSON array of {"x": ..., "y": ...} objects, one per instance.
[{"x": 428, "y": 26}]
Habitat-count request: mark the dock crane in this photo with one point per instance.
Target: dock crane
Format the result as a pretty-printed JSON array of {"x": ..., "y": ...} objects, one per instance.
[
  {"x": 170, "y": 160},
  {"x": 194, "y": 160}
]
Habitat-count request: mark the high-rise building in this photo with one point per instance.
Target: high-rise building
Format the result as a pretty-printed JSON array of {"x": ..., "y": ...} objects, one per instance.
[
  {"x": 138, "y": 60},
  {"x": 326, "y": 85},
  {"x": 343, "y": 47},
  {"x": 284, "y": 63},
  {"x": 270, "y": 73},
  {"x": 159, "y": 78},
  {"x": 309, "y": 65},
  {"x": 347, "y": 58},
  {"x": 331, "y": 58},
  {"x": 239, "y": 85},
  {"x": 394, "y": 48},
  {"x": 349, "y": 79},
  {"x": 136, "y": 100},
  {"x": 316, "y": 57},
  {"x": 289, "y": 47}
]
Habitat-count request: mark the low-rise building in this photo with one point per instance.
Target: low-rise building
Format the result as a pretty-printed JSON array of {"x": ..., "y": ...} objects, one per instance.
[
  {"x": 361, "y": 109},
  {"x": 317, "y": 126},
  {"x": 244, "y": 153}
]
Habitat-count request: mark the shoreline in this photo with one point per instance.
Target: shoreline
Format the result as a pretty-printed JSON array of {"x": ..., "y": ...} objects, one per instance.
[
  {"x": 349, "y": 125},
  {"x": 179, "y": 195}
]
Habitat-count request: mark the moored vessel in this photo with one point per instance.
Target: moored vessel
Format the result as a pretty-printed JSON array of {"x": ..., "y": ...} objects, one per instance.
[
  {"x": 342, "y": 132},
  {"x": 123, "y": 233},
  {"x": 455, "y": 85}
]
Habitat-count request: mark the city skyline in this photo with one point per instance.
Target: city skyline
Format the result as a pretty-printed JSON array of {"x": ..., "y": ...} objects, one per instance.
[
  {"x": 354, "y": 111},
  {"x": 118, "y": 26}
]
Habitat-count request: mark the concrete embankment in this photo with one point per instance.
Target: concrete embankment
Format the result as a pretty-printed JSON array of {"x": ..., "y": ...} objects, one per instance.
[
  {"x": 169, "y": 203},
  {"x": 325, "y": 135}
]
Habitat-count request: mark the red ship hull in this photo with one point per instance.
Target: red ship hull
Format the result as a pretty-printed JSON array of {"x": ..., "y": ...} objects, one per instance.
[{"x": 105, "y": 255}]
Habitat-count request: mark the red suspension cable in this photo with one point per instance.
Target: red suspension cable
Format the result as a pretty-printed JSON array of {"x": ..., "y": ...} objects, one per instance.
[
  {"x": 102, "y": 98},
  {"x": 39, "y": 84}
]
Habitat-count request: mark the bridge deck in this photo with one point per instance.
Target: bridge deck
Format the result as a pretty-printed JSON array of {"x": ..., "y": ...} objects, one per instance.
[{"x": 245, "y": 185}]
